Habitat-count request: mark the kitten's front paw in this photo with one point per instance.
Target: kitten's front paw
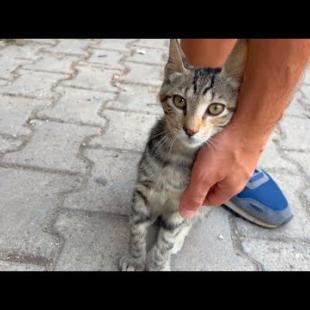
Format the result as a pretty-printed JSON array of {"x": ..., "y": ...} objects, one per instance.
[
  {"x": 154, "y": 267},
  {"x": 128, "y": 263}
]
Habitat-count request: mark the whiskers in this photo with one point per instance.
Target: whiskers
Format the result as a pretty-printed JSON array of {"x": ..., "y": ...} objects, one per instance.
[
  {"x": 158, "y": 133},
  {"x": 211, "y": 142},
  {"x": 165, "y": 140},
  {"x": 171, "y": 145},
  {"x": 160, "y": 143}
]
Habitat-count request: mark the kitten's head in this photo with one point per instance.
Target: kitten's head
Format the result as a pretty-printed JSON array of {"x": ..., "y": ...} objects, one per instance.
[{"x": 199, "y": 102}]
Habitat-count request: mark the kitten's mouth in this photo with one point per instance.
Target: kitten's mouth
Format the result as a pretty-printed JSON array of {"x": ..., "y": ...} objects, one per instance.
[{"x": 191, "y": 142}]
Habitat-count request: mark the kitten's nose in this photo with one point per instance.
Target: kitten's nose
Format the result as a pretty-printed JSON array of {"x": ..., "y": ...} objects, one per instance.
[{"x": 189, "y": 132}]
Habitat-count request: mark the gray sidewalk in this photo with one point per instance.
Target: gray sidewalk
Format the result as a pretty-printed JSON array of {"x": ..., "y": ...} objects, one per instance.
[{"x": 74, "y": 117}]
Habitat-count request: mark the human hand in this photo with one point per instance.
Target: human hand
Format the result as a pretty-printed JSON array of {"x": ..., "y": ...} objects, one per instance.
[{"x": 220, "y": 171}]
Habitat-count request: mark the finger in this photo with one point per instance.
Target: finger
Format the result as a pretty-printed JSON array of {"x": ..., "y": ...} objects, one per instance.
[
  {"x": 192, "y": 199},
  {"x": 187, "y": 214},
  {"x": 206, "y": 202},
  {"x": 220, "y": 194}
]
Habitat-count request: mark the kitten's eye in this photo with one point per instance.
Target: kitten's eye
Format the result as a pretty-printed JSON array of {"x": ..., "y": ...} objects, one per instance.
[
  {"x": 215, "y": 109},
  {"x": 179, "y": 101}
]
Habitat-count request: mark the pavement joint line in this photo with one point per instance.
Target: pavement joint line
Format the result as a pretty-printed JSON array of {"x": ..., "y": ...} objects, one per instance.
[{"x": 238, "y": 246}]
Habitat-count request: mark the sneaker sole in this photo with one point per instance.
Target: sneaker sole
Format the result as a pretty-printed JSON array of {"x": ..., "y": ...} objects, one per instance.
[{"x": 249, "y": 217}]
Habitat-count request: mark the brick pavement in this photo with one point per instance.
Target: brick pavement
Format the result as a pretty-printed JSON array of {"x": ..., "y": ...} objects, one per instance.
[{"x": 74, "y": 117}]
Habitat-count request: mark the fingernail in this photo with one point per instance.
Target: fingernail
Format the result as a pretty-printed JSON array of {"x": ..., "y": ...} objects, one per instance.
[{"x": 187, "y": 214}]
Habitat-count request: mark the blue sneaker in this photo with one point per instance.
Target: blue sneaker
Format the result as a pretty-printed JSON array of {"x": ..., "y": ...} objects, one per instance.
[{"x": 261, "y": 202}]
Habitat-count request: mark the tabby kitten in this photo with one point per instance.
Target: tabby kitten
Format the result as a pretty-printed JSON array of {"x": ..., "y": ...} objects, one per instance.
[{"x": 197, "y": 103}]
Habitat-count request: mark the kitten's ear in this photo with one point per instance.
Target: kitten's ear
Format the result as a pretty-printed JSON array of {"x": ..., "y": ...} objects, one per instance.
[
  {"x": 177, "y": 60},
  {"x": 235, "y": 64}
]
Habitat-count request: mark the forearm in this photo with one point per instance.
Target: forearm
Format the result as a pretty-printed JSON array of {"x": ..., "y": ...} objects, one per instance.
[
  {"x": 207, "y": 52},
  {"x": 273, "y": 70}
]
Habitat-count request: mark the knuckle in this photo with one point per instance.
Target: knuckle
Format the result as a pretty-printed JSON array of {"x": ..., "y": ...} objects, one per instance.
[
  {"x": 247, "y": 176},
  {"x": 196, "y": 200},
  {"x": 239, "y": 188},
  {"x": 237, "y": 185}
]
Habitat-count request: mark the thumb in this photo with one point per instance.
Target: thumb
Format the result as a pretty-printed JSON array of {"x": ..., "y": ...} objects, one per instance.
[{"x": 192, "y": 198}]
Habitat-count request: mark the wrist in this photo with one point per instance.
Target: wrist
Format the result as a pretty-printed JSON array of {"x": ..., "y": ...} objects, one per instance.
[
  {"x": 250, "y": 132},
  {"x": 245, "y": 139}
]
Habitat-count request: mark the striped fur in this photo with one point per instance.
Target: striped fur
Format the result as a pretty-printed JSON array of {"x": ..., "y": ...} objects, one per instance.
[{"x": 165, "y": 167}]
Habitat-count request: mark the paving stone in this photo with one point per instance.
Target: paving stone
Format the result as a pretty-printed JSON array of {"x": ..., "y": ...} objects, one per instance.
[
  {"x": 149, "y": 55},
  {"x": 307, "y": 195},
  {"x": 34, "y": 84},
  {"x": 71, "y": 46},
  {"x": 155, "y": 43},
  {"x": 14, "y": 113},
  {"x": 7, "y": 145},
  {"x": 128, "y": 131},
  {"x": 2, "y": 44},
  {"x": 25, "y": 210},
  {"x": 303, "y": 159},
  {"x": 93, "y": 78},
  {"x": 305, "y": 101},
  {"x": 8, "y": 65},
  {"x": 108, "y": 59},
  {"x": 272, "y": 160},
  {"x": 306, "y": 77},
  {"x": 54, "y": 62},
  {"x": 53, "y": 146},
  {"x": 295, "y": 108},
  {"x": 279, "y": 255},
  {"x": 143, "y": 74},
  {"x": 50, "y": 42},
  {"x": 111, "y": 184},
  {"x": 78, "y": 105},
  {"x": 28, "y": 51},
  {"x": 138, "y": 99},
  {"x": 11, "y": 266},
  {"x": 297, "y": 133},
  {"x": 204, "y": 250},
  {"x": 92, "y": 242},
  {"x": 115, "y": 44}
]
